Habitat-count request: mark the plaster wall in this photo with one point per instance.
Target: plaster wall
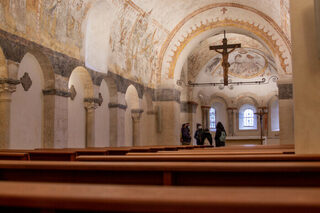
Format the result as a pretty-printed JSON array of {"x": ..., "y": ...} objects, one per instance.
[
  {"x": 102, "y": 119},
  {"x": 27, "y": 108},
  {"x": 170, "y": 129},
  {"x": 306, "y": 78},
  {"x": 76, "y": 114}
]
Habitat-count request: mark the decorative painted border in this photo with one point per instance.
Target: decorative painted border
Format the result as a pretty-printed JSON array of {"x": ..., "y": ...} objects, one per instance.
[
  {"x": 272, "y": 44},
  {"x": 209, "y": 7}
]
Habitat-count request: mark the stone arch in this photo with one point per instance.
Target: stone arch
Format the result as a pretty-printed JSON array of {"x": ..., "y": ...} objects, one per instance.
[
  {"x": 113, "y": 90},
  {"x": 220, "y": 104},
  {"x": 269, "y": 33},
  {"x": 46, "y": 67},
  {"x": 132, "y": 101},
  {"x": 28, "y": 108},
  {"x": 247, "y": 99},
  {"x": 3, "y": 66},
  {"x": 78, "y": 123},
  {"x": 97, "y": 27}
]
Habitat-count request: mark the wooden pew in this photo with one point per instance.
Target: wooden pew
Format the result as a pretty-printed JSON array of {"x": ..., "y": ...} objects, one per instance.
[
  {"x": 14, "y": 156},
  {"x": 216, "y": 152},
  {"x": 166, "y": 173},
  {"x": 51, "y": 197},
  {"x": 201, "y": 158},
  {"x": 52, "y": 155}
]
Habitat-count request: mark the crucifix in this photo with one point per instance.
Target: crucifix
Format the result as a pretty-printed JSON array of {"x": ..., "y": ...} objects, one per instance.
[
  {"x": 263, "y": 111},
  {"x": 225, "y": 54}
]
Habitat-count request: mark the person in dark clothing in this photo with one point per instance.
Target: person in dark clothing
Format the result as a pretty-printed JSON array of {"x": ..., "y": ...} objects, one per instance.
[
  {"x": 221, "y": 135},
  {"x": 199, "y": 134},
  {"x": 185, "y": 134},
  {"x": 207, "y": 135}
]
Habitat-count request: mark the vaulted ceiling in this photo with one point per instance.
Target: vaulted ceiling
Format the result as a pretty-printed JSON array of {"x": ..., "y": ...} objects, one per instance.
[{"x": 149, "y": 41}]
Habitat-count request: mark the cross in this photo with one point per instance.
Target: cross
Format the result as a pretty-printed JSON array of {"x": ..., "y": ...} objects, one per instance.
[
  {"x": 225, "y": 54},
  {"x": 224, "y": 10},
  {"x": 263, "y": 111}
]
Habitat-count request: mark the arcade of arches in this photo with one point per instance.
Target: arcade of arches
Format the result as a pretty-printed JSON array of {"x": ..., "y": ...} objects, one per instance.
[{"x": 102, "y": 73}]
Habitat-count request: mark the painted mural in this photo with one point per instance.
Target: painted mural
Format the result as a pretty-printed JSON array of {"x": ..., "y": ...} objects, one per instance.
[
  {"x": 245, "y": 63},
  {"x": 140, "y": 34}
]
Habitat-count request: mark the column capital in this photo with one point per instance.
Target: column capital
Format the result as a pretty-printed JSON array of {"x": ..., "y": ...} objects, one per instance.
[
  {"x": 232, "y": 109},
  {"x": 90, "y": 105},
  {"x": 8, "y": 85},
  {"x": 205, "y": 107},
  {"x": 136, "y": 114}
]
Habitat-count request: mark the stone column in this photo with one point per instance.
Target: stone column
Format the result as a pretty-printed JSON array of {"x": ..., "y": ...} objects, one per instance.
[
  {"x": 117, "y": 116},
  {"x": 231, "y": 120},
  {"x": 286, "y": 113},
  {"x": 90, "y": 107},
  {"x": 55, "y": 118},
  {"x": 205, "y": 116},
  {"x": 305, "y": 21},
  {"x": 136, "y": 116},
  {"x": 7, "y": 87},
  {"x": 167, "y": 105}
]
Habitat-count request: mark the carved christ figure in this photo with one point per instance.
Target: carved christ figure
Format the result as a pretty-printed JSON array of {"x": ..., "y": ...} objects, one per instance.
[{"x": 225, "y": 55}]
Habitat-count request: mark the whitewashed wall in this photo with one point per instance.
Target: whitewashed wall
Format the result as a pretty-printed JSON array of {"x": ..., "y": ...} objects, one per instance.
[
  {"x": 27, "y": 108},
  {"x": 102, "y": 119}
]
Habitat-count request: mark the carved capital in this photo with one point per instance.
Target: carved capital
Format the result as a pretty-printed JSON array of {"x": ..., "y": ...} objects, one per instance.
[
  {"x": 7, "y": 88},
  {"x": 89, "y": 105},
  {"x": 136, "y": 114}
]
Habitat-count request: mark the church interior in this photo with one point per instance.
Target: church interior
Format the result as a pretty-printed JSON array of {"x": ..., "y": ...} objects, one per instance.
[{"x": 108, "y": 84}]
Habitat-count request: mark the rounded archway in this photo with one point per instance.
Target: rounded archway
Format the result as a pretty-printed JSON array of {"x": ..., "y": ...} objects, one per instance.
[
  {"x": 132, "y": 101},
  {"x": 81, "y": 87},
  {"x": 27, "y": 107}
]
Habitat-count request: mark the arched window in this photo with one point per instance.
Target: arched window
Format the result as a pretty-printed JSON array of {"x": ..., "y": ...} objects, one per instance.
[
  {"x": 275, "y": 116},
  {"x": 212, "y": 118},
  {"x": 247, "y": 117}
]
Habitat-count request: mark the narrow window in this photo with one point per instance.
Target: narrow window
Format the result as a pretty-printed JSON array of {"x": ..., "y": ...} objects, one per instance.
[{"x": 212, "y": 118}]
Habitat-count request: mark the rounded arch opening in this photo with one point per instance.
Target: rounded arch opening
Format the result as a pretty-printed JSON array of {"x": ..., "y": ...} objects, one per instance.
[
  {"x": 27, "y": 107},
  {"x": 81, "y": 87},
  {"x": 132, "y": 101}
]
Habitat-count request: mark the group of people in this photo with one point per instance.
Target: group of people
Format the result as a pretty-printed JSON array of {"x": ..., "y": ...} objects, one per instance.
[{"x": 202, "y": 134}]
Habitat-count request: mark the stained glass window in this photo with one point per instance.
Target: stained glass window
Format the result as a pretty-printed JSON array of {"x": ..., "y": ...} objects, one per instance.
[{"x": 212, "y": 118}]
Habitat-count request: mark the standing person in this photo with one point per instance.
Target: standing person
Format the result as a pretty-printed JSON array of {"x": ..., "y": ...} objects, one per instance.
[
  {"x": 185, "y": 133},
  {"x": 221, "y": 135},
  {"x": 198, "y": 135},
  {"x": 207, "y": 135}
]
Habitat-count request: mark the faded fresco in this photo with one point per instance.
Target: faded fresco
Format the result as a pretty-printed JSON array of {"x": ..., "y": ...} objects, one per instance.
[
  {"x": 244, "y": 63},
  {"x": 135, "y": 41},
  {"x": 138, "y": 37},
  {"x": 53, "y": 23}
]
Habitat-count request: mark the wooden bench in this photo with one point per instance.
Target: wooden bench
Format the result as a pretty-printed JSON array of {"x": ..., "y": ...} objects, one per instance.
[
  {"x": 166, "y": 173},
  {"x": 14, "y": 156},
  {"x": 216, "y": 152},
  {"x": 202, "y": 158},
  {"x": 52, "y": 155},
  {"x": 50, "y": 197}
]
